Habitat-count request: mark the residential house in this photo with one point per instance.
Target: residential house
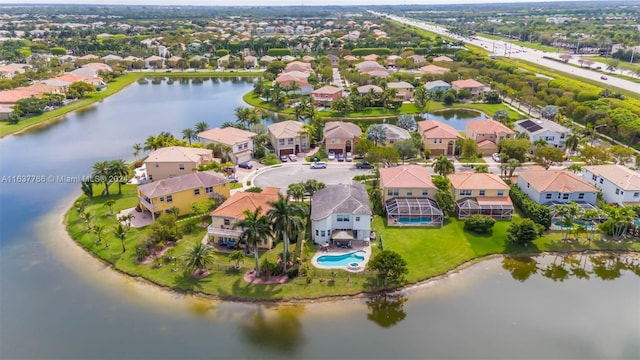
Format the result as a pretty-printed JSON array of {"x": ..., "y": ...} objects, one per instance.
[
  {"x": 251, "y": 61},
  {"x": 287, "y": 137},
  {"x": 154, "y": 62},
  {"x": 433, "y": 69},
  {"x": 433, "y": 86},
  {"x": 488, "y": 134},
  {"x": 619, "y": 185},
  {"x": 370, "y": 57},
  {"x": 288, "y": 58},
  {"x": 350, "y": 58},
  {"x": 334, "y": 60},
  {"x": 366, "y": 89},
  {"x": 308, "y": 58},
  {"x": 474, "y": 87},
  {"x": 223, "y": 61},
  {"x": 181, "y": 192},
  {"x": 298, "y": 66},
  {"x": 340, "y": 137},
  {"x": 11, "y": 97},
  {"x": 10, "y": 71},
  {"x": 481, "y": 193},
  {"x": 556, "y": 187},
  {"x": 287, "y": 81},
  {"x": 417, "y": 59},
  {"x": 239, "y": 141},
  {"x": 404, "y": 90},
  {"x": 438, "y": 137},
  {"x": 442, "y": 59},
  {"x": 224, "y": 218},
  {"x": 174, "y": 161},
  {"x": 552, "y": 132},
  {"x": 368, "y": 66},
  {"x": 41, "y": 88},
  {"x": 326, "y": 95},
  {"x": 394, "y": 133},
  {"x": 341, "y": 214},
  {"x": 408, "y": 196},
  {"x": 268, "y": 59},
  {"x": 391, "y": 60}
]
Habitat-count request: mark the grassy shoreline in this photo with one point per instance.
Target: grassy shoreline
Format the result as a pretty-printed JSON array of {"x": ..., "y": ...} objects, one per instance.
[{"x": 431, "y": 254}]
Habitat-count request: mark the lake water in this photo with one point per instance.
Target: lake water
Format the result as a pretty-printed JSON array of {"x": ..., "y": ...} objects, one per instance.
[
  {"x": 457, "y": 118},
  {"x": 56, "y": 302}
]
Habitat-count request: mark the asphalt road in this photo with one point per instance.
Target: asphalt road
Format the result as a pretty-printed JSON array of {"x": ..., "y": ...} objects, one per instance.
[
  {"x": 503, "y": 48},
  {"x": 291, "y": 173}
]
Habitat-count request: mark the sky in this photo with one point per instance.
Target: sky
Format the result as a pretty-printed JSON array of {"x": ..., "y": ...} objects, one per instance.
[{"x": 266, "y": 2}]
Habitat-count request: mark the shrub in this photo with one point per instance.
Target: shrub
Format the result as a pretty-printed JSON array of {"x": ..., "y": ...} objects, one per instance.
[
  {"x": 369, "y": 51},
  {"x": 292, "y": 273},
  {"x": 270, "y": 159},
  {"x": 142, "y": 251},
  {"x": 222, "y": 52},
  {"x": 524, "y": 232},
  {"x": 254, "y": 189},
  {"x": 479, "y": 224},
  {"x": 277, "y": 52},
  {"x": 539, "y": 213}
]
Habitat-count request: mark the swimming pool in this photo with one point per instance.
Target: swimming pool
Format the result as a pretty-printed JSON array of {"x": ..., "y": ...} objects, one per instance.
[
  {"x": 352, "y": 259},
  {"x": 577, "y": 222},
  {"x": 414, "y": 221}
]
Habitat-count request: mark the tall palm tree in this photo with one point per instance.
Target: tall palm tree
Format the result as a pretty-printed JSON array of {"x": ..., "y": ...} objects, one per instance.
[
  {"x": 619, "y": 219},
  {"x": 296, "y": 191},
  {"x": 541, "y": 142},
  {"x": 572, "y": 141},
  {"x": 101, "y": 173},
  {"x": 99, "y": 230},
  {"x": 201, "y": 126},
  {"x": 87, "y": 217},
  {"x": 120, "y": 233},
  {"x": 119, "y": 170},
  {"x": 136, "y": 150},
  {"x": 189, "y": 134},
  {"x": 287, "y": 220},
  {"x": 109, "y": 203},
  {"x": 255, "y": 227},
  {"x": 127, "y": 220},
  {"x": 199, "y": 257},
  {"x": 443, "y": 166}
]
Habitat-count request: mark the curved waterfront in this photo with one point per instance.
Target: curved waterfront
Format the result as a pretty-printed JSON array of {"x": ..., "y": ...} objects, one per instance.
[{"x": 58, "y": 302}]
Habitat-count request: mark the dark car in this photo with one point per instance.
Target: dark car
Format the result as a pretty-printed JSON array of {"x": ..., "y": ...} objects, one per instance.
[
  {"x": 363, "y": 165},
  {"x": 245, "y": 165},
  {"x": 603, "y": 77},
  {"x": 340, "y": 157}
]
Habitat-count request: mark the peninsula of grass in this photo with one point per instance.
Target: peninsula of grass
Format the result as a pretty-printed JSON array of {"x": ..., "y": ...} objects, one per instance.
[
  {"x": 526, "y": 44},
  {"x": 429, "y": 252}
]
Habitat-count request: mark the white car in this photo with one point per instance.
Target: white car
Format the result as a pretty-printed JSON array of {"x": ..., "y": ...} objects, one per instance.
[
  {"x": 349, "y": 157},
  {"x": 496, "y": 157},
  {"x": 293, "y": 157},
  {"x": 318, "y": 165},
  {"x": 332, "y": 155}
]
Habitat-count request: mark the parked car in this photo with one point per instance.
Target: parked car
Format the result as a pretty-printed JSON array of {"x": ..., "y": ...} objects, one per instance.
[
  {"x": 363, "y": 165},
  {"x": 318, "y": 165},
  {"x": 603, "y": 77},
  {"x": 341, "y": 157},
  {"x": 230, "y": 169},
  {"x": 332, "y": 155},
  {"x": 293, "y": 157},
  {"x": 349, "y": 157},
  {"x": 245, "y": 165},
  {"x": 496, "y": 157},
  {"x": 283, "y": 158}
]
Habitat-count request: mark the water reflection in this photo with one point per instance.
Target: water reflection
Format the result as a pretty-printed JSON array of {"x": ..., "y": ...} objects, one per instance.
[
  {"x": 279, "y": 330},
  {"x": 566, "y": 266},
  {"x": 386, "y": 310}
]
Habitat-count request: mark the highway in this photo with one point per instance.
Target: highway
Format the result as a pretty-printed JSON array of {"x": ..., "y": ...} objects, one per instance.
[{"x": 502, "y": 48}]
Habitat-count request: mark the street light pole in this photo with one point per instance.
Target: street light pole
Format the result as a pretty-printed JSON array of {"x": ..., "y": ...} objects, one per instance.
[{"x": 593, "y": 135}]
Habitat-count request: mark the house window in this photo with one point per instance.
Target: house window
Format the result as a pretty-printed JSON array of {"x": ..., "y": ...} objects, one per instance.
[
  {"x": 343, "y": 218},
  {"x": 465, "y": 192},
  {"x": 500, "y": 193},
  {"x": 435, "y": 141},
  {"x": 392, "y": 192},
  {"x": 409, "y": 193},
  {"x": 169, "y": 198},
  {"x": 425, "y": 192},
  {"x": 548, "y": 196},
  {"x": 323, "y": 233},
  {"x": 528, "y": 185},
  {"x": 281, "y": 142},
  {"x": 481, "y": 193},
  {"x": 636, "y": 194},
  {"x": 594, "y": 178},
  {"x": 157, "y": 165},
  {"x": 565, "y": 196},
  {"x": 161, "y": 198},
  {"x": 601, "y": 180},
  {"x": 357, "y": 218},
  {"x": 196, "y": 192},
  {"x": 581, "y": 196},
  {"x": 227, "y": 221},
  {"x": 561, "y": 136},
  {"x": 333, "y": 141},
  {"x": 208, "y": 189},
  {"x": 181, "y": 166},
  {"x": 317, "y": 233},
  {"x": 290, "y": 141},
  {"x": 617, "y": 191},
  {"x": 439, "y": 141}
]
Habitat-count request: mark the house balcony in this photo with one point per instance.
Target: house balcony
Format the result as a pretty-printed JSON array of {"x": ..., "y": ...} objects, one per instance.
[
  {"x": 218, "y": 231},
  {"x": 146, "y": 202}
]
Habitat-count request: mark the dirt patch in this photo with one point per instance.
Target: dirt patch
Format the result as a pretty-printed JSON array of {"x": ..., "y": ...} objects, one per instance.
[{"x": 250, "y": 277}]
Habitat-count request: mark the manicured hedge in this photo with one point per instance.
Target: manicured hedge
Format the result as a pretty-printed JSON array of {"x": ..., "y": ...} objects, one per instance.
[
  {"x": 222, "y": 52},
  {"x": 277, "y": 52},
  {"x": 369, "y": 51},
  {"x": 529, "y": 208}
]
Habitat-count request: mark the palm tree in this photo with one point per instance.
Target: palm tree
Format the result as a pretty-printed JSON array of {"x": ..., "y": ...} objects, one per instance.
[
  {"x": 572, "y": 141},
  {"x": 201, "y": 126},
  {"x": 443, "y": 166},
  {"x": 120, "y": 233},
  {"x": 86, "y": 217},
  {"x": 99, "y": 230},
  {"x": 102, "y": 174},
  {"x": 313, "y": 185},
  {"x": 512, "y": 165},
  {"x": 286, "y": 220},
  {"x": 189, "y": 134},
  {"x": 109, "y": 203},
  {"x": 619, "y": 219},
  {"x": 296, "y": 191},
  {"x": 136, "y": 150},
  {"x": 127, "y": 220},
  {"x": 238, "y": 257},
  {"x": 118, "y": 169},
  {"x": 376, "y": 134},
  {"x": 540, "y": 143},
  {"x": 255, "y": 227},
  {"x": 199, "y": 257}
]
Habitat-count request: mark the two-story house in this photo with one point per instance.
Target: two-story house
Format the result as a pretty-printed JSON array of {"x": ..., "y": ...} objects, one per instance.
[
  {"x": 341, "y": 214},
  {"x": 404, "y": 90},
  {"x": 433, "y": 86},
  {"x": 408, "y": 196},
  {"x": 475, "y": 88},
  {"x": 552, "y": 132},
  {"x": 225, "y": 216},
  {"x": 340, "y": 137},
  {"x": 488, "y": 134},
  {"x": 438, "y": 137},
  {"x": 619, "y": 185},
  {"x": 180, "y": 192},
  {"x": 174, "y": 161},
  {"x": 394, "y": 133},
  {"x": 326, "y": 95},
  {"x": 481, "y": 193},
  {"x": 239, "y": 141},
  {"x": 287, "y": 137},
  {"x": 556, "y": 187}
]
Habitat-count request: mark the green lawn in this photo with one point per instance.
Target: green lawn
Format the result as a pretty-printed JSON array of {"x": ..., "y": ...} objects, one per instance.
[
  {"x": 527, "y": 44},
  {"x": 428, "y": 251},
  {"x": 474, "y": 160}
]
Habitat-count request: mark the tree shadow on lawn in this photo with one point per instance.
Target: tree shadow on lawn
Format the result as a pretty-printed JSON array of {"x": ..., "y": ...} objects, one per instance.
[
  {"x": 521, "y": 249},
  {"x": 187, "y": 282}
]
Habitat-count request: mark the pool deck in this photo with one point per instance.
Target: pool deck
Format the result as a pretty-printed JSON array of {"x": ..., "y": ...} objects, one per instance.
[{"x": 342, "y": 251}]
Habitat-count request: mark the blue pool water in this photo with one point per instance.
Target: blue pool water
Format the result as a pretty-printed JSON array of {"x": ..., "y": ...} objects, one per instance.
[
  {"x": 343, "y": 260},
  {"x": 420, "y": 220},
  {"x": 637, "y": 222},
  {"x": 577, "y": 222}
]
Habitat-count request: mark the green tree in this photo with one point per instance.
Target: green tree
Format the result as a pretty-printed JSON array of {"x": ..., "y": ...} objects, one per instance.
[
  {"x": 120, "y": 233},
  {"x": 118, "y": 172},
  {"x": 407, "y": 122},
  {"x": 362, "y": 147},
  {"x": 376, "y": 134},
  {"x": 443, "y": 166},
  {"x": 549, "y": 112},
  {"x": 201, "y": 127},
  {"x": 81, "y": 88},
  {"x": 189, "y": 134},
  {"x": 383, "y": 154},
  {"x": 515, "y": 149},
  {"x": 548, "y": 155},
  {"x": 255, "y": 227},
  {"x": 390, "y": 267},
  {"x": 406, "y": 149},
  {"x": 296, "y": 191},
  {"x": 501, "y": 115},
  {"x": 287, "y": 220},
  {"x": 523, "y": 232},
  {"x": 479, "y": 223},
  {"x": 469, "y": 148},
  {"x": 622, "y": 154},
  {"x": 313, "y": 185},
  {"x": 595, "y": 155},
  {"x": 237, "y": 257},
  {"x": 102, "y": 174},
  {"x": 136, "y": 150},
  {"x": 445, "y": 201},
  {"x": 572, "y": 141},
  {"x": 99, "y": 231},
  {"x": 618, "y": 220},
  {"x": 198, "y": 258},
  {"x": 109, "y": 204}
]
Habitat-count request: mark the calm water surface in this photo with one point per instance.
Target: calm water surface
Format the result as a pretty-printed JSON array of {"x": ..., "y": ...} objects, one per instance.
[{"x": 55, "y": 302}]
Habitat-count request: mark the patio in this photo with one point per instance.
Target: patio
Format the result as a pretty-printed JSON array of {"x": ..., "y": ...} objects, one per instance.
[{"x": 413, "y": 212}]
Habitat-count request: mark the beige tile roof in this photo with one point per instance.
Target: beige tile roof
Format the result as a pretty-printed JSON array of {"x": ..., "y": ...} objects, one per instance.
[
  {"x": 286, "y": 129},
  {"x": 488, "y": 127},
  {"x": 477, "y": 181},
  {"x": 341, "y": 130},
  {"x": 621, "y": 176},
  {"x": 227, "y": 136},
  {"x": 327, "y": 89},
  {"x": 494, "y": 200},
  {"x": 434, "y": 129},
  {"x": 180, "y": 183},
  {"x": 406, "y": 176},
  {"x": 433, "y": 69},
  {"x": 179, "y": 154},
  {"x": 555, "y": 180},
  {"x": 399, "y": 85},
  {"x": 442, "y": 59},
  {"x": 366, "y": 88},
  {"x": 486, "y": 144},
  {"x": 240, "y": 201},
  {"x": 467, "y": 84}
]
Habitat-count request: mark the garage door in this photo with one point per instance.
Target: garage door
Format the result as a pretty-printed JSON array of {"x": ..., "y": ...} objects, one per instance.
[
  {"x": 286, "y": 151},
  {"x": 337, "y": 151}
]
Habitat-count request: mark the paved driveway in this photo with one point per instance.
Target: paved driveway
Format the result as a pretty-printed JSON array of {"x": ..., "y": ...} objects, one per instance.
[{"x": 282, "y": 177}]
